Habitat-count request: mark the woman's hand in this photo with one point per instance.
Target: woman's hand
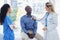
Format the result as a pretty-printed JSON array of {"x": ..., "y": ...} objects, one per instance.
[
  {"x": 45, "y": 28},
  {"x": 13, "y": 27},
  {"x": 33, "y": 18}
]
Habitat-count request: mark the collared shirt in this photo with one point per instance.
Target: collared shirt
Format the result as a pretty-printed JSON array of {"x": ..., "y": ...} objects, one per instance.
[{"x": 27, "y": 23}]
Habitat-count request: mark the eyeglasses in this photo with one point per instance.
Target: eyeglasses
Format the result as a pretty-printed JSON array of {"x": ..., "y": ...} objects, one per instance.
[{"x": 49, "y": 5}]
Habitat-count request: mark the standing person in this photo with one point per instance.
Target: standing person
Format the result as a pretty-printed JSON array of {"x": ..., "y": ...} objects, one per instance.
[
  {"x": 6, "y": 22},
  {"x": 29, "y": 26},
  {"x": 50, "y": 23}
]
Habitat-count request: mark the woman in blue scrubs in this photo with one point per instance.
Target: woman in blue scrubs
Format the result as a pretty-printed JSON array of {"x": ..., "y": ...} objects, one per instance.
[{"x": 6, "y": 22}]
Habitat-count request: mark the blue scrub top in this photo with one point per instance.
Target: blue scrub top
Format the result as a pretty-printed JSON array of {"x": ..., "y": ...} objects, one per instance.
[{"x": 8, "y": 32}]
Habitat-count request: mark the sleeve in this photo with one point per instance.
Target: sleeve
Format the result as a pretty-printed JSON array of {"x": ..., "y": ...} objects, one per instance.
[
  {"x": 53, "y": 23},
  {"x": 43, "y": 20},
  {"x": 9, "y": 22},
  {"x": 23, "y": 25},
  {"x": 35, "y": 26}
]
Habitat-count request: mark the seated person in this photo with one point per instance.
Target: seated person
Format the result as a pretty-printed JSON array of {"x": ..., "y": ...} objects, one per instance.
[{"x": 29, "y": 26}]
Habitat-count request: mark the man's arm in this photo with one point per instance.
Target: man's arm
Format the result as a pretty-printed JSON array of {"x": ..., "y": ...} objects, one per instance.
[
  {"x": 23, "y": 25},
  {"x": 32, "y": 35},
  {"x": 35, "y": 26}
]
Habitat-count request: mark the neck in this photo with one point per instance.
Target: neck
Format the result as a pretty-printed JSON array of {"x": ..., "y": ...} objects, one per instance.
[
  {"x": 50, "y": 11},
  {"x": 7, "y": 14},
  {"x": 29, "y": 14}
]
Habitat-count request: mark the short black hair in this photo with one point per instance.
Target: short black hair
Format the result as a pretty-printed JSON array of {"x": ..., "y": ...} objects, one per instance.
[{"x": 26, "y": 8}]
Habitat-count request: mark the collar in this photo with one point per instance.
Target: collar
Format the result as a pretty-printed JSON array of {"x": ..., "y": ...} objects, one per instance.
[{"x": 28, "y": 16}]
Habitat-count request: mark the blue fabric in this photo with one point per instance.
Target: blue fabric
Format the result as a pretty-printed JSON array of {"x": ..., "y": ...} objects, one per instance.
[
  {"x": 8, "y": 32},
  {"x": 47, "y": 14},
  {"x": 27, "y": 23}
]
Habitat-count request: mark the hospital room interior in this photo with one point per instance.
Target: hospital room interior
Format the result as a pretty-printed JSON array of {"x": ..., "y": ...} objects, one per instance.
[{"x": 38, "y": 10}]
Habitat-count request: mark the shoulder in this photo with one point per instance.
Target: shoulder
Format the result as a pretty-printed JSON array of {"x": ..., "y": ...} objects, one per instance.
[
  {"x": 8, "y": 18},
  {"x": 33, "y": 16},
  {"x": 23, "y": 17},
  {"x": 54, "y": 14},
  {"x": 46, "y": 13}
]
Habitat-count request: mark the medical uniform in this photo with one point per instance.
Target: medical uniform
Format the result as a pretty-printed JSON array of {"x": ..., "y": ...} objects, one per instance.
[
  {"x": 50, "y": 21},
  {"x": 8, "y": 32}
]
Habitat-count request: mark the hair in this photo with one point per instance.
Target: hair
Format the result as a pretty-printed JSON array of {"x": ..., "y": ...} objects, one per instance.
[
  {"x": 3, "y": 12},
  {"x": 26, "y": 8},
  {"x": 50, "y": 6}
]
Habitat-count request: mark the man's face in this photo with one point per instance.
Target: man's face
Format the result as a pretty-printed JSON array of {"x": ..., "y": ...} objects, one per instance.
[{"x": 28, "y": 9}]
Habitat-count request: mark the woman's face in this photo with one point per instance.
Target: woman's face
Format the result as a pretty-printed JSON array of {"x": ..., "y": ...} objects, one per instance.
[
  {"x": 9, "y": 10},
  {"x": 47, "y": 9}
]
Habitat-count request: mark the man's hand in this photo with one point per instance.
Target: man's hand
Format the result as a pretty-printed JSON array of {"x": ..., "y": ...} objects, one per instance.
[
  {"x": 45, "y": 28},
  {"x": 30, "y": 34}
]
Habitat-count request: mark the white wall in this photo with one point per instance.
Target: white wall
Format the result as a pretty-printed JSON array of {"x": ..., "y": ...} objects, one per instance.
[{"x": 57, "y": 8}]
